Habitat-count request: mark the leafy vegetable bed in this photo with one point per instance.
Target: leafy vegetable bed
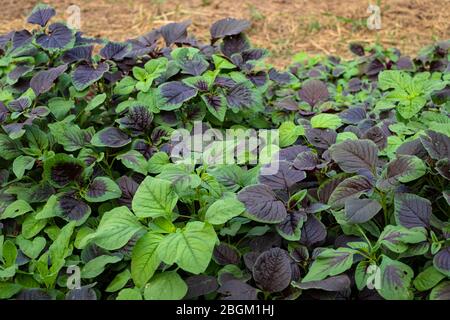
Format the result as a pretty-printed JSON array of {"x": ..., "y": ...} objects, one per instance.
[{"x": 92, "y": 206}]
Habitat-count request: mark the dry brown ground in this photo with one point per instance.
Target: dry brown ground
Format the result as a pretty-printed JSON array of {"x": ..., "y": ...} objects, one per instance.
[{"x": 283, "y": 26}]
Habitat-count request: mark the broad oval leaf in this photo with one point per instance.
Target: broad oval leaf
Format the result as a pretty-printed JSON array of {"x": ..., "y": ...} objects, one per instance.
[
  {"x": 190, "y": 248},
  {"x": 329, "y": 262},
  {"x": 154, "y": 198},
  {"x": 200, "y": 285},
  {"x": 350, "y": 188},
  {"x": 355, "y": 155},
  {"x": 116, "y": 228},
  {"x": 41, "y": 14},
  {"x": 361, "y": 210},
  {"x": 441, "y": 261},
  {"x": 285, "y": 176},
  {"x": 166, "y": 286},
  {"x": 224, "y": 254},
  {"x": 272, "y": 270},
  {"x": 262, "y": 204},
  {"x": 223, "y": 210},
  {"x": 110, "y": 137},
  {"x": 313, "y": 92},
  {"x": 411, "y": 210},
  {"x": 144, "y": 258},
  {"x": 84, "y": 75},
  {"x": 176, "y": 92},
  {"x": 290, "y": 228},
  {"x": 404, "y": 169},
  {"x": 43, "y": 80},
  {"x": 59, "y": 36},
  {"x": 102, "y": 189},
  {"x": 228, "y": 27},
  {"x": 395, "y": 280}
]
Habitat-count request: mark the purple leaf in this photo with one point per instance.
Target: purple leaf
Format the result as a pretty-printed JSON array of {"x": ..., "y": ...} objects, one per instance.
[
  {"x": 115, "y": 51},
  {"x": 313, "y": 92},
  {"x": 285, "y": 177},
  {"x": 200, "y": 285},
  {"x": 262, "y": 204},
  {"x": 237, "y": 290},
  {"x": 175, "y": 32},
  {"x": 177, "y": 92},
  {"x": 313, "y": 232},
  {"x": 58, "y": 37},
  {"x": 228, "y": 27},
  {"x": 110, "y": 137},
  {"x": 355, "y": 155},
  {"x": 41, "y": 14},
  {"x": 85, "y": 75},
  {"x": 361, "y": 210},
  {"x": 336, "y": 283},
  {"x": 225, "y": 254},
  {"x": 350, "y": 188},
  {"x": 411, "y": 210},
  {"x": 272, "y": 270},
  {"x": 43, "y": 80},
  {"x": 81, "y": 53}
]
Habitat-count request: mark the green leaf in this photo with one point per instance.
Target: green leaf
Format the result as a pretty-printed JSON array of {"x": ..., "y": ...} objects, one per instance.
[
  {"x": 397, "y": 238},
  {"x": 60, "y": 249},
  {"x": 31, "y": 226},
  {"x": 222, "y": 63},
  {"x": 7, "y": 290},
  {"x": 119, "y": 281},
  {"x": 59, "y": 107},
  {"x": 342, "y": 136},
  {"x": 428, "y": 278},
  {"x": 410, "y": 108},
  {"x": 116, "y": 228},
  {"x": 9, "y": 254},
  {"x": 289, "y": 132},
  {"x": 144, "y": 258},
  {"x": 9, "y": 148},
  {"x": 129, "y": 294},
  {"x": 325, "y": 121},
  {"x": 395, "y": 280},
  {"x": 125, "y": 86},
  {"x": 156, "y": 163},
  {"x": 50, "y": 209},
  {"x": 22, "y": 163},
  {"x": 166, "y": 286},
  {"x": 97, "y": 265},
  {"x": 134, "y": 160},
  {"x": 391, "y": 79},
  {"x": 96, "y": 101},
  {"x": 154, "y": 198},
  {"x": 16, "y": 209},
  {"x": 330, "y": 262},
  {"x": 223, "y": 210},
  {"x": 69, "y": 135},
  {"x": 33, "y": 248},
  {"x": 191, "y": 247},
  {"x": 102, "y": 189}
]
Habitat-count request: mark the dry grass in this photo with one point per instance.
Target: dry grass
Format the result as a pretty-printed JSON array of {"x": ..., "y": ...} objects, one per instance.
[{"x": 283, "y": 26}]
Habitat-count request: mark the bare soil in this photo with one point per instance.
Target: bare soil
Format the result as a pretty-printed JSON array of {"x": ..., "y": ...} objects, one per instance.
[{"x": 283, "y": 26}]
